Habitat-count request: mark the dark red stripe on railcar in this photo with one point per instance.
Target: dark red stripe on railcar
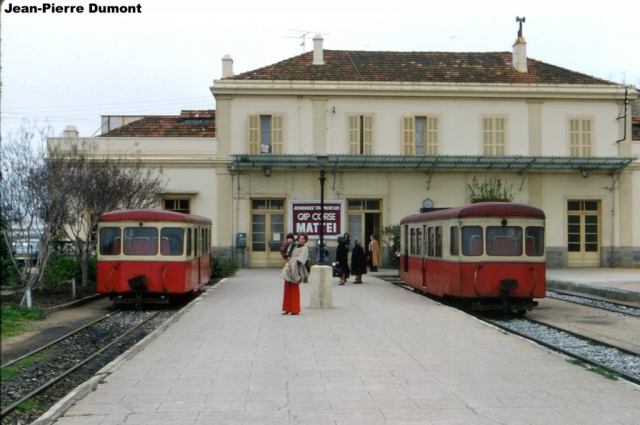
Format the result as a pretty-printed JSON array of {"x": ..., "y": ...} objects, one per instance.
[
  {"x": 149, "y": 215},
  {"x": 481, "y": 209}
]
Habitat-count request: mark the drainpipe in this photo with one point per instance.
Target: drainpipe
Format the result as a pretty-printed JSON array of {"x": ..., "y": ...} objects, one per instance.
[
  {"x": 626, "y": 103},
  {"x": 613, "y": 226}
]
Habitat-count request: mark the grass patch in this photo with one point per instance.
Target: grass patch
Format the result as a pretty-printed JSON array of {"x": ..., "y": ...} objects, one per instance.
[
  {"x": 27, "y": 405},
  {"x": 16, "y": 320},
  {"x": 596, "y": 369},
  {"x": 7, "y": 373}
]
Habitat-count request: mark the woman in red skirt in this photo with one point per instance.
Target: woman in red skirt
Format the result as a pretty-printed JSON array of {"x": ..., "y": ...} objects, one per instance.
[{"x": 296, "y": 273}]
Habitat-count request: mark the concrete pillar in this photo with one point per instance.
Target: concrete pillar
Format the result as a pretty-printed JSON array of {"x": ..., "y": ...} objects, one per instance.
[{"x": 321, "y": 283}]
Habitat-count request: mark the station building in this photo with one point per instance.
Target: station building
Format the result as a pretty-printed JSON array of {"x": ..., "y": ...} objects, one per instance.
[{"x": 401, "y": 131}]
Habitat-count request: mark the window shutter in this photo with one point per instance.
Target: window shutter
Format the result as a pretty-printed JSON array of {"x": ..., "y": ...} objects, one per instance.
[
  {"x": 586, "y": 137},
  {"x": 500, "y": 136},
  {"x": 408, "y": 135},
  {"x": 487, "y": 131},
  {"x": 580, "y": 137},
  {"x": 433, "y": 127},
  {"x": 367, "y": 135},
  {"x": 494, "y": 136},
  {"x": 354, "y": 134},
  {"x": 276, "y": 133},
  {"x": 253, "y": 132}
]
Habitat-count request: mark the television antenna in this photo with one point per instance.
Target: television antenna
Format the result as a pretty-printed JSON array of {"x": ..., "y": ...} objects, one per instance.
[{"x": 303, "y": 37}]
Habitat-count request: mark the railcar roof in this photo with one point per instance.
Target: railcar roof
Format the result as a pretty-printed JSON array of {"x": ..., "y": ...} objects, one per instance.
[
  {"x": 481, "y": 209},
  {"x": 152, "y": 215}
]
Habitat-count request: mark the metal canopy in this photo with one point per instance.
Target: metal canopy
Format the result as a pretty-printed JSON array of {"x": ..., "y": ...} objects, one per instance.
[{"x": 519, "y": 164}]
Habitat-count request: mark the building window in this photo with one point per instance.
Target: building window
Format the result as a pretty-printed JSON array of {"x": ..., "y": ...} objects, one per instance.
[
  {"x": 494, "y": 135},
  {"x": 265, "y": 133},
  {"x": 360, "y": 135},
  {"x": 177, "y": 205},
  {"x": 580, "y": 136},
  {"x": 420, "y": 135}
]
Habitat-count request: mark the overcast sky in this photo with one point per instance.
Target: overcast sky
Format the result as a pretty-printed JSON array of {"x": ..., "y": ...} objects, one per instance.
[{"x": 70, "y": 68}]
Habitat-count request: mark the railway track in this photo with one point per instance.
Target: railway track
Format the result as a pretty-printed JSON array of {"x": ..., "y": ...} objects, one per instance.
[
  {"x": 596, "y": 303},
  {"x": 36, "y": 381},
  {"x": 608, "y": 359}
]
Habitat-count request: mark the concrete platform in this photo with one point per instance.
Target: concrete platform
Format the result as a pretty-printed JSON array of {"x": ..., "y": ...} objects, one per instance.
[
  {"x": 614, "y": 283},
  {"x": 382, "y": 355}
]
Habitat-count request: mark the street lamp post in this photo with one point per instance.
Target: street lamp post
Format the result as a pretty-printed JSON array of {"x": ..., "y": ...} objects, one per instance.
[{"x": 323, "y": 160}]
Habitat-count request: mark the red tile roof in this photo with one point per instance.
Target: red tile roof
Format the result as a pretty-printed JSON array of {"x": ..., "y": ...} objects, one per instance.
[
  {"x": 191, "y": 123},
  {"x": 490, "y": 67}
]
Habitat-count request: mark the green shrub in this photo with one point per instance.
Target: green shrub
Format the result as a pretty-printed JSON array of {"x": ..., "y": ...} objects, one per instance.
[
  {"x": 60, "y": 269},
  {"x": 490, "y": 190},
  {"x": 8, "y": 272},
  {"x": 222, "y": 267},
  {"x": 93, "y": 269}
]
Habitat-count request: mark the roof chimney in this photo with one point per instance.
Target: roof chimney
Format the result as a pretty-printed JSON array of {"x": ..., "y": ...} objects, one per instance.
[
  {"x": 70, "y": 132},
  {"x": 227, "y": 66},
  {"x": 318, "y": 58},
  {"x": 520, "y": 50}
]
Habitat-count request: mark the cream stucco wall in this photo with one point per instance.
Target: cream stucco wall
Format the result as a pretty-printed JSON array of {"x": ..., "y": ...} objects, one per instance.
[{"x": 535, "y": 126}]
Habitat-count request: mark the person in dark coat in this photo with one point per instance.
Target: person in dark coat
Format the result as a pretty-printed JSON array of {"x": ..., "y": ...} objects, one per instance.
[
  {"x": 347, "y": 242},
  {"x": 347, "y": 239},
  {"x": 358, "y": 261},
  {"x": 342, "y": 260}
]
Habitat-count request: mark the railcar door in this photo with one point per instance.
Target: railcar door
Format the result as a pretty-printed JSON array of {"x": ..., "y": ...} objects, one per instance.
[
  {"x": 405, "y": 248},
  {"x": 422, "y": 251}
]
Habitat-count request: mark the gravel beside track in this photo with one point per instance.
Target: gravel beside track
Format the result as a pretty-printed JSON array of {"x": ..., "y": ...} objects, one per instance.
[
  {"x": 69, "y": 352},
  {"x": 605, "y": 305},
  {"x": 609, "y": 357},
  {"x": 612, "y": 358}
]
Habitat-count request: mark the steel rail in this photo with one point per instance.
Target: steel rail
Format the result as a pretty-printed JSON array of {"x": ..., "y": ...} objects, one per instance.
[
  {"x": 44, "y": 347},
  {"x": 398, "y": 282},
  {"x": 635, "y": 310},
  {"x": 567, "y": 353},
  {"x": 52, "y": 381}
]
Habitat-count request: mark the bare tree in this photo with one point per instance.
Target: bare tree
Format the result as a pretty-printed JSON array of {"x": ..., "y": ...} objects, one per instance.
[
  {"x": 90, "y": 184},
  {"x": 25, "y": 202}
]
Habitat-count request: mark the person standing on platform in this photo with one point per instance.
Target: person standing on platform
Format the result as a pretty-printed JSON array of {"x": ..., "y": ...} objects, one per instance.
[
  {"x": 358, "y": 261},
  {"x": 374, "y": 253},
  {"x": 342, "y": 260},
  {"x": 297, "y": 272},
  {"x": 347, "y": 239},
  {"x": 347, "y": 242}
]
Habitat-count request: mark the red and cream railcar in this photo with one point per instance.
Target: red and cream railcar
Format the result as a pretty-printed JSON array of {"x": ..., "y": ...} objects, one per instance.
[
  {"x": 150, "y": 256},
  {"x": 488, "y": 255}
]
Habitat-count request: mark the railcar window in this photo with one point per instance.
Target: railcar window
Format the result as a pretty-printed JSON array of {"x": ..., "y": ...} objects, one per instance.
[
  {"x": 438, "y": 251},
  {"x": 140, "y": 241},
  {"x": 454, "y": 242},
  {"x": 504, "y": 240},
  {"x": 171, "y": 241},
  {"x": 534, "y": 241},
  {"x": 110, "y": 241},
  {"x": 431, "y": 244},
  {"x": 188, "y": 242},
  {"x": 419, "y": 248},
  {"x": 472, "y": 240}
]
